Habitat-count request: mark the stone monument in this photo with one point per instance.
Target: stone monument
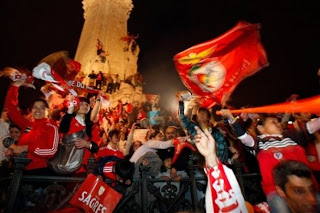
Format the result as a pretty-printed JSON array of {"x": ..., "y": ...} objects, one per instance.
[
  {"x": 104, "y": 42},
  {"x": 106, "y": 46}
]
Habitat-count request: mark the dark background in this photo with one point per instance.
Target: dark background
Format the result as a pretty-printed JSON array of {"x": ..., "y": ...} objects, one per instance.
[{"x": 33, "y": 29}]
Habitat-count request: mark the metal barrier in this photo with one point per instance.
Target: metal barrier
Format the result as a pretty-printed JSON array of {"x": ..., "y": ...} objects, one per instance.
[{"x": 142, "y": 196}]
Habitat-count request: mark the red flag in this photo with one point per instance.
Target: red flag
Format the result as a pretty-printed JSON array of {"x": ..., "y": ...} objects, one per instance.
[
  {"x": 214, "y": 68},
  {"x": 95, "y": 196}
]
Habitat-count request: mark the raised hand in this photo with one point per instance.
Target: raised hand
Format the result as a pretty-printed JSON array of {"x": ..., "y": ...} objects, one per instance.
[{"x": 206, "y": 146}]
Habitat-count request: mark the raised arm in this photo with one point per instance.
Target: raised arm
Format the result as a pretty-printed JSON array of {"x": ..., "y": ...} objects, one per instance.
[
  {"x": 185, "y": 121},
  {"x": 130, "y": 139},
  {"x": 223, "y": 193},
  {"x": 95, "y": 109},
  {"x": 245, "y": 138},
  {"x": 11, "y": 105},
  {"x": 65, "y": 123},
  {"x": 66, "y": 119},
  {"x": 159, "y": 144}
]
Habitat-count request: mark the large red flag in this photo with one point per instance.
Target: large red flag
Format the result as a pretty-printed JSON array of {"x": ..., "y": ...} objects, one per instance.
[{"x": 214, "y": 68}]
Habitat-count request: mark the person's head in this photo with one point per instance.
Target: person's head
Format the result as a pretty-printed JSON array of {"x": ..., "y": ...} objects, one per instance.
[
  {"x": 113, "y": 136},
  {"x": 157, "y": 135},
  {"x": 40, "y": 109},
  {"x": 166, "y": 158},
  {"x": 167, "y": 163},
  {"x": 294, "y": 184},
  {"x": 135, "y": 145},
  {"x": 124, "y": 170},
  {"x": 171, "y": 132},
  {"x": 122, "y": 136},
  {"x": 269, "y": 124},
  {"x": 181, "y": 132},
  {"x": 203, "y": 115},
  {"x": 14, "y": 132},
  {"x": 84, "y": 106}
]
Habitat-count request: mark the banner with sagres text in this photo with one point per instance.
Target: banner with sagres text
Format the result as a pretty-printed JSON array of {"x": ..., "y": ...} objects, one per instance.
[
  {"x": 213, "y": 69},
  {"x": 95, "y": 196}
]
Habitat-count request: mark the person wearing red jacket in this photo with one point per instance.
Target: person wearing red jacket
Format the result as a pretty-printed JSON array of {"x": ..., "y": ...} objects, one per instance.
[{"x": 40, "y": 136}]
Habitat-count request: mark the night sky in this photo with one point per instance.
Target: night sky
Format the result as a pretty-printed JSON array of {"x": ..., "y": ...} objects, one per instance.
[{"x": 31, "y": 30}]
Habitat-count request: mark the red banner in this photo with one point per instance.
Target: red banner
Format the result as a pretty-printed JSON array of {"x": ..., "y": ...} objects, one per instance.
[
  {"x": 214, "y": 68},
  {"x": 95, "y": 196}
]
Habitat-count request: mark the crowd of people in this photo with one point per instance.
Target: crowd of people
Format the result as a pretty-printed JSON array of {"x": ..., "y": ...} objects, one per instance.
[
  {"x": 286, "y": 153},
  {"x": 111, "y": 83}
]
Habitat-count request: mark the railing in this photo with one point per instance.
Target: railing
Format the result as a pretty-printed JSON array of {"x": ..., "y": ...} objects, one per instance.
[{"x": 142, "y": 196}]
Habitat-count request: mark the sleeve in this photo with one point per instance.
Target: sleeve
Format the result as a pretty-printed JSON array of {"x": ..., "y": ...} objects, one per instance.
[
  {"x": 186, "y": 123},
  {"x": 159, "y": 144},
  {"x": 313, "y": 125},
  {"x": 46, "y": 142},
  {"x": 65, "y": 123},
  {"x": 102, "y": 161},
  {"x": 223, "y": 192},
  {"x": 129, "y": 142},
  {"x": 11, "y": 105},
  {"x": 221, "y": 144},
  {"x": 245, "y": 138},
  {"x": 94, "y": 148}
]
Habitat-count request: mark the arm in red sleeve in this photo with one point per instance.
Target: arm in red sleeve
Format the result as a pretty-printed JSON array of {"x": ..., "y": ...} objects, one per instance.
[
  {"x": 11, "y": 105},
  {"x": 46, "y": 143}
]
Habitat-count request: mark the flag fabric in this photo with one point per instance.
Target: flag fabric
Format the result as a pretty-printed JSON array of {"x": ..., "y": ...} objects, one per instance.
[
  {"x": 213, "y": 69},
  {"x": 223, "y": 191},
  {"x": 45, "y": 72},
  {"x": 95, "y": 196}
]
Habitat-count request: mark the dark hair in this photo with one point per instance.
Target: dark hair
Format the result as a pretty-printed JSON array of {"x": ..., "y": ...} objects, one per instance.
[
  {"x": 264, "y": 116},
  {"x": 131, "y": 151},
  {"x": 181, "y": 132},
  {"x": 287, "y": 168},
  {"x": 163, "y": 155},
  {"x": 174, "y": 127},
  {"x": 41, "y": 100},
  {"x": 112, "y": 133},
  {"x": 154, "y": 134},
  {"x": 83, "y": 99},
  {"x": 12, "y": 125},
  {"x": 262, "y": 120},
  {"x": 89, "y": 124},
  {"x": 201, "y": 109},
  {"x": 125, "y": 169}
]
